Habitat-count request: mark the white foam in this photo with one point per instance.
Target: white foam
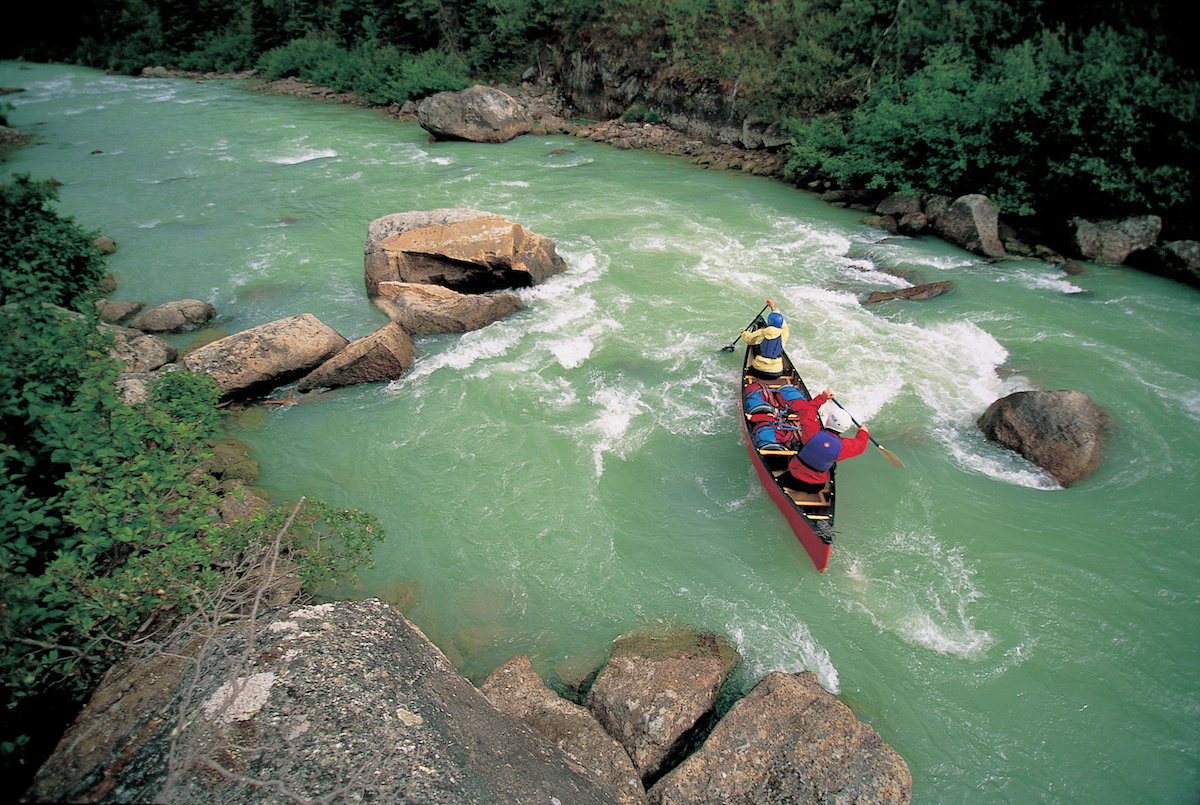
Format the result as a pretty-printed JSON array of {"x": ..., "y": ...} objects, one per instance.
[
  {"x": 915, "y": 587},
  {"x": 305, "y": 155}
]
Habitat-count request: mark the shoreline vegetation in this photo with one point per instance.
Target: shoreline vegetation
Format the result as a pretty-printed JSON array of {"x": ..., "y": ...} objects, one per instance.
[
  {"x": 1052, "y": 110},
  {"x": 118, "y": 524}
]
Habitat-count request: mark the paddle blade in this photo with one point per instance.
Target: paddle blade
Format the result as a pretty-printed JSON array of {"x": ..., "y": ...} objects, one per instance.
[{"x": 892, "y": 458}]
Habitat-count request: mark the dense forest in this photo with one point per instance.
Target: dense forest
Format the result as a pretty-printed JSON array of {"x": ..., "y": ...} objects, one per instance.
[{"x": 1044, "y": 105}]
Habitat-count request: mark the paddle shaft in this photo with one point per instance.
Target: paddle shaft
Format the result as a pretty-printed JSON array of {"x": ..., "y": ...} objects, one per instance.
[
  {"x": 892, "y": 458},
  {"x": 730, "y": 347}
]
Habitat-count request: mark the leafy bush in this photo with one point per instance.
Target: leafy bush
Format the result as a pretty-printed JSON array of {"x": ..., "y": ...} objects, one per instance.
[
  {"x": 380, "y": 75},
  {"x": 640, "y": 114},
  {"x": 42, "y": 255}
]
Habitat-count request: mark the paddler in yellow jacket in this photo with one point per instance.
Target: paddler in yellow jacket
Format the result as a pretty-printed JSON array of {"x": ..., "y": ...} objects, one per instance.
[{"x": 768, "y": 362}]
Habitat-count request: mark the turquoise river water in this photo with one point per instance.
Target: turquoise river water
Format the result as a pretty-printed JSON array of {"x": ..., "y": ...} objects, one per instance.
[{"x": 577, "y": 469}]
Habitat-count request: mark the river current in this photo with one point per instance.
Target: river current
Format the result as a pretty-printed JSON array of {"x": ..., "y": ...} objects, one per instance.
[{"x": 577, "y": 470}]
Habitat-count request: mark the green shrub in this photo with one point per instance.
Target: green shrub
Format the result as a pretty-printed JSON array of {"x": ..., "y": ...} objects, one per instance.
[
  {"x": 640, "y": 114},
  {"x": 1088, "y": 126},
  {"x": 42, "y": 255}
]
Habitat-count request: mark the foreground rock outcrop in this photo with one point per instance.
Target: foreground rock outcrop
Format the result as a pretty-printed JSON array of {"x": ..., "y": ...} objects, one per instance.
[
  {"x": 1063, "y": 432},
  {"x": 348, "y": 701},
  {"x": 516, "y": 689},
  {"x": 789, "y": 741},
  {"x": 655, "y": 688},
  {"x": 336, "y": 702}
]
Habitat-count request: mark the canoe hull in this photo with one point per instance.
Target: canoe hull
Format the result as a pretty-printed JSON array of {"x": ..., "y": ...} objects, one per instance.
[{"x": 812, "y": 525}]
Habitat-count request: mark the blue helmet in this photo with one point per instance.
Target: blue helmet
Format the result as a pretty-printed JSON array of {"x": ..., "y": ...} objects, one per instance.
[{"x": 775, "y": 319}]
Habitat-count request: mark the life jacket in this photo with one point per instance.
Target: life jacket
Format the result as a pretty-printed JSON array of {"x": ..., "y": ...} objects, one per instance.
[
  {"x": 771, "y": 348},
  {"x": 821, "y": 451}
]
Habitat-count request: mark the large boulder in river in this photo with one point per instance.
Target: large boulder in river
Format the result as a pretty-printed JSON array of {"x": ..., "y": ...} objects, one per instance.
[
  {"x": 657, "y": 687},
  {"x": 338, "y": 702},
  {"x": 789, "y": 741},
  {"x": 180, "y": 316},
  {"x": 427, "y": 309},
  {"x": 386, "y": 354},
  {"x": 479, "y": 114},
  {"x": 970, "y": 222},
  {"x": 465, "y": 250},
  {"x": 269, "y": 355},
  {"x": 1063, "y": 432},
  {"x": 516, "y": 689}
]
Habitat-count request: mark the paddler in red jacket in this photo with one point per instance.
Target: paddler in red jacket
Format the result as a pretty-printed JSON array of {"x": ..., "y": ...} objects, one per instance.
[{"x": 823, "y": 444}]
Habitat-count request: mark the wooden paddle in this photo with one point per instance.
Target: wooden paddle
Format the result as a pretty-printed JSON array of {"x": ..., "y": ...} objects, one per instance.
[
  {"x": 892, "y": 458},
  {"x": 729, "y": 348}
]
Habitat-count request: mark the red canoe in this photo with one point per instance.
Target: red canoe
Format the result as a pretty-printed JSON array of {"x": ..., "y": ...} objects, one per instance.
[{"x": 810, "y": 515}]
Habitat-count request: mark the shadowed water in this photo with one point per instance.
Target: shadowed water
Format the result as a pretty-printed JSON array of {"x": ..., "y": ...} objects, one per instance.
[{"x": 577, "y": 469}]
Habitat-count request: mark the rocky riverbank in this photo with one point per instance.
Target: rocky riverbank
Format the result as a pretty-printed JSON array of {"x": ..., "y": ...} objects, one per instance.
[{"x": 348, "y": 701}]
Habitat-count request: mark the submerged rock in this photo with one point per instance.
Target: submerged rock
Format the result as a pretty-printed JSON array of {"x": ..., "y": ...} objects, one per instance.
[{"x": 917, "y": 292}]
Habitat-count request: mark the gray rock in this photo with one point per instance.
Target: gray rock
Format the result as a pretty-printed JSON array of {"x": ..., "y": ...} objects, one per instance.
[
  {"x": 269, "y": 355},
  {"x": 789, "y": 741},
  {"x": 656, "y": 687},
  {"x": 139, "y": 352},
  {"x": 1179, "y": 260},
  {"x": 386, "y": 354},
  {"x": 479, "y": 114},
  {"x": 899, "y": 204},
  {"x": 970, "y": 222},
  {"x": 1111, "y": 242},
  {"x": 339, "y": 702},
  {"x": 180, "y": 316},
  {"x": 1063, "y": 432},
  {"x": 516, "y": 689},
  {"x": 117, "y": 312},
  {"x": 917, "y": 292},
  {"x": 913, "y": 223}
]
